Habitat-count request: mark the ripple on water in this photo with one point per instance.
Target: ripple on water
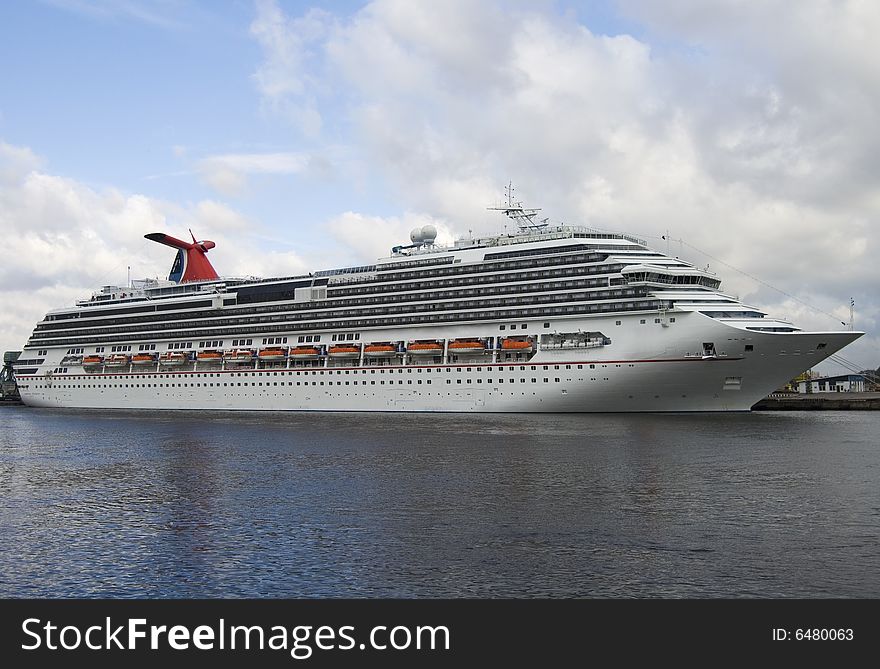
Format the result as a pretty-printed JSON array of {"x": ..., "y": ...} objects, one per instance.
[{"x": 136, "y": 504}]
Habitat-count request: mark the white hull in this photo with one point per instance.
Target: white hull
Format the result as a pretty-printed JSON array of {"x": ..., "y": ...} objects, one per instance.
[{"x": 659, "y": 372}]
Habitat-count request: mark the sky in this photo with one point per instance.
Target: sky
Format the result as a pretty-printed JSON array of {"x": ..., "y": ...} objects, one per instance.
[{"x": 302, "y": 136}]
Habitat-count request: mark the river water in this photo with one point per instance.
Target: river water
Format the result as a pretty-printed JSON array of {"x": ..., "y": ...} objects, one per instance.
[{"x": 177, "y": 504}]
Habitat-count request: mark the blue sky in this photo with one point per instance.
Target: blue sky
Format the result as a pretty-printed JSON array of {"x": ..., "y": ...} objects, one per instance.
[
  {"x": 301, "y": 136},
  {"x": 131, "y": 100}
]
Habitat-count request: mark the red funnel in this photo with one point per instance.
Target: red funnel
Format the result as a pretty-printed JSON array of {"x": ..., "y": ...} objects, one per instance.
[{"x": 191, "y": 263}]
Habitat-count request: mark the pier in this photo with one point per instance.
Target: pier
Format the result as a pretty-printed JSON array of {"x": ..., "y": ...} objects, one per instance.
[{"x": 867, "y": 401}]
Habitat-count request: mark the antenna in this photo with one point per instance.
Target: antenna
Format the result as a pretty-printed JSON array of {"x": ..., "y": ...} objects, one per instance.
[
  {"x": 852, "y": 305},
  {"x": 129, "y": 285},
  {"x": 524, "y": 218}
]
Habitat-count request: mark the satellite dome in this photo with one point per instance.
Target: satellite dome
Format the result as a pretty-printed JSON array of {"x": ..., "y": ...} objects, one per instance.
[
  {"x": 429, "y": 234},
  {"x": 416, "y": 236}
]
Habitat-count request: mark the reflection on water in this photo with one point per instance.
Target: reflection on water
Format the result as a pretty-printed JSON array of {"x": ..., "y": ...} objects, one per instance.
[{"x": 134, "y": 504}]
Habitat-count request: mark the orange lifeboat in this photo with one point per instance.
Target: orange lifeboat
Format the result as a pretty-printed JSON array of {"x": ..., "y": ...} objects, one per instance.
[
  {"x": 305, "y": 353},
  {"x": 343, "y": 351},
  {"x": 425, "y": 348},
  {"x": 380, "y": 350},
  {"x": 466, "y": 346},
  {"x": 93, "y": 361},
  {"x": 239, "y": 355},
  {"x": 209, "y": 356},
  {"x": 510, "y": 344},
  {"x": 272, "y": 353},
  {"x": 143, "y": 359},
  {"x": 172, "y": 359},
  {"x": 118, "y": 360}
]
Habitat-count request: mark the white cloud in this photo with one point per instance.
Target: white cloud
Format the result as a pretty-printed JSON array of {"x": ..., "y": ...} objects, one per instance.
[
  {"x": 746, "y": 129},
  {"x": 16, "y": 161},
  {"x": 227, "y": 174},
  {"x": 63, "y": 240},
  {"x": 284, "y": 80},
  {"x": 152, "y": 13},
  {"x": 370, "y": 237}
]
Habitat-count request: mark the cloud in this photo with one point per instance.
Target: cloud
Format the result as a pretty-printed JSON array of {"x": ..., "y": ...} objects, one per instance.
[
  {"x": 64, "y": 239},
  {"x": 227, "y": 174},
  {"x": 284, "y": 80},
  {"x": 152, "y": 13},
  {"x": 747, "y": 130},
  {"x": 16, "y": 161},
  {"x": 370, "y": 237}
]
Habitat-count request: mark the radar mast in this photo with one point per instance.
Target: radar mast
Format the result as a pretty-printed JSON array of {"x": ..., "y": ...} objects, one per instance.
[{"x": 526, "y": 219}]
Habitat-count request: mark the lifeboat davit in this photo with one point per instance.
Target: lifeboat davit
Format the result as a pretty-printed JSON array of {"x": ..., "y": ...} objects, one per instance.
[
  {"x": 467, "y": 346},
  {"x": 143, "y": 359},
  {"x": 93, "y": 361},
  {"x": 380, "y": 350},
  {"x": 117, "y": 361},
  {"x": 425, "y": 348},
  {"x": 272, "y": 353},
  {"x": 173, "y": 359},
  {"x": 239, "y": 355},
  {"x": 511, "y": 344},
  {"x": 305, "y": 353},
  {"x": 209, "y": 356},
  {"x": 350, "y": 352}
]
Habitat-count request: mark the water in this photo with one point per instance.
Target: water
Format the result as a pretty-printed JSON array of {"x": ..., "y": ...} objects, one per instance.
[{"x": 139, "y": 504}]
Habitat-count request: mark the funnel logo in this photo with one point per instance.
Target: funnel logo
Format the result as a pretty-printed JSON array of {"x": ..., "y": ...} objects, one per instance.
[{"x": 191, "y": 263}]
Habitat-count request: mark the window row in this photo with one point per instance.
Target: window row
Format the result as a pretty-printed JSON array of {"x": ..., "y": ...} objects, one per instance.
[
  {"x": 427, "y": 293},
  {"x": 646, "y": 305},
  {"x": 222, "y": 321}
]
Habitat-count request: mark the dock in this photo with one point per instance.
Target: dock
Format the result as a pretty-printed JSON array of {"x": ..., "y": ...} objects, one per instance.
[{"x": 868, "y": 401}]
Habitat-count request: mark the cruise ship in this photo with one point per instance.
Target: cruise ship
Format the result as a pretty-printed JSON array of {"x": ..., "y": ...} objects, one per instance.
[{"x": 546, "y": 318}]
